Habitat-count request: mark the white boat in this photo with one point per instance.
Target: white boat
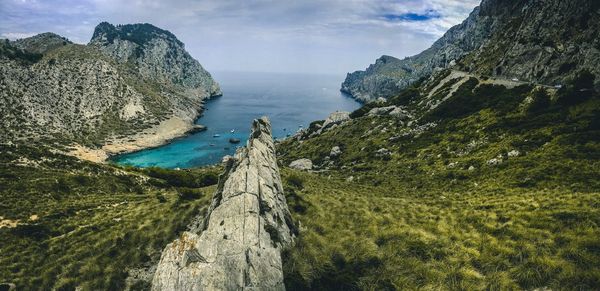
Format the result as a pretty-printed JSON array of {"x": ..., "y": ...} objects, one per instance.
[
  {"x": 233, "y": 130},
  {"x": 216, "y": 135}
]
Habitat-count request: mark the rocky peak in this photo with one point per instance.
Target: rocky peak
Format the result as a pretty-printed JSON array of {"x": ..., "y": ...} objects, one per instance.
[
  {"x": 239, "y": 244},
  {"x": 41, "y": 43},
  {"x": 141, "y": 33},
  {"x": 536, "y": 41},
  {"x": 157, "y": 54}
]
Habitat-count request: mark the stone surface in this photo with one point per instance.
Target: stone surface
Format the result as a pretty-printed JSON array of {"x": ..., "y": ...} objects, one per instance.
[
  {"x": 335, "y": 151},
  {"x": 302, "y": 164},
  {"x": 513, "y": 154},
  {"x": 333, "y": 120},
  {"x": 238, "y": 245}
]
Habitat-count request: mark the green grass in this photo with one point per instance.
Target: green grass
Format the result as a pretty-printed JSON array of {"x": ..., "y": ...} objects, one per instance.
[
  {"x": 96, "y": 223},
  {"x": 435, "y": 215},
  {"x": 359, "y": 236}
]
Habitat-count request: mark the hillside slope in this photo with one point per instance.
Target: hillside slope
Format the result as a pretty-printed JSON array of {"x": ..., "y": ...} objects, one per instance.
[
  {"x": 457, "y": 183},
  {"x": 537, "y": 41},
  {"x": 62, "y": 92}
]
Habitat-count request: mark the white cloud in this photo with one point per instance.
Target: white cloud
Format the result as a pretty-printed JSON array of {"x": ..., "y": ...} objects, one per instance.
[
  {"x": 285, "y": 35},
  {"x": 17, "y": 35}
]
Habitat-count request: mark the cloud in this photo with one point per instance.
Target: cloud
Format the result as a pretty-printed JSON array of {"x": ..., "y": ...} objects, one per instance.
[{"x": 264, "y": 35}]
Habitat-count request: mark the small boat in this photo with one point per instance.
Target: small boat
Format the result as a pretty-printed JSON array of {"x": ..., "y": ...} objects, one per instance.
[
  {"x": 212, "y": 144},
  {"x": 288, "y": 134},
  {"x": 234, "y": 140},
  {"x": 233, "y": 130},
  {"x": 216, "y": 135},
  {"x": 284, "y": 129}
]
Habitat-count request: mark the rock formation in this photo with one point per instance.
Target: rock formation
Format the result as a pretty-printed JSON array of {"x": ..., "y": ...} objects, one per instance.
[
  {"x": 129, "y": 79},
  {"x": 535, "y": 41},
  {"x": 238, "y": 245}
]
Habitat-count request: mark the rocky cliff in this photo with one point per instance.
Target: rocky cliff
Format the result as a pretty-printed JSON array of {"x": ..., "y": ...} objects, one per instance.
[
  {"x": 157, "y": 54},
  {"x": 133, "y": 86},
  {"x": 238, "y": 245},
  {"x": 538, "y": 41}
]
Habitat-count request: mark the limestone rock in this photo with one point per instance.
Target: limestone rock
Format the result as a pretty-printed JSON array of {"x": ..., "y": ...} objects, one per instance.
[
  {"x": 238, "y": 245},
  {"x": 335, "y": 151},
  {"x": 334, "y": 118},
  {"x": 302, "y": 164},
  {"x": 494, "y": 162}
]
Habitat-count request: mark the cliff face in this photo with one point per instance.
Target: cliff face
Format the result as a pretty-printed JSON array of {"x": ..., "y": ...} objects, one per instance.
[
  {"x": 157, "y": 54},
  {"x": 239, "y": 244},
  {"x": 539, "y": 41},
  {"x": 128, "y": 79}
]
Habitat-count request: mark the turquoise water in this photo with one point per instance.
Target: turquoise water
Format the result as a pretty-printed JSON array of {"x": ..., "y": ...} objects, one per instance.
[{"x": 289, "y": 100}]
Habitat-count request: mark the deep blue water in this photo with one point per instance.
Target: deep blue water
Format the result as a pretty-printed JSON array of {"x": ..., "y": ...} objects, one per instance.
[{"x": 289, "y": 100}]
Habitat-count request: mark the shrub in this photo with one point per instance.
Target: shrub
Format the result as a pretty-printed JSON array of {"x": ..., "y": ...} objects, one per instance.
[
  {"x": 295, "y": 181},
  {"x": 189, "y": 193},
  {"x": 577, "y": 89},
  {"x": 541, "y": 100}
]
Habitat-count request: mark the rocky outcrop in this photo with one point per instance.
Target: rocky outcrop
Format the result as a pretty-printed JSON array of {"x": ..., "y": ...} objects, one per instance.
[
  {"x": 302, "y": 164},
  {"x": 238, "y": 245},
  {"x": 157, "y": 54},
  {"x": 535, "y": 41}
]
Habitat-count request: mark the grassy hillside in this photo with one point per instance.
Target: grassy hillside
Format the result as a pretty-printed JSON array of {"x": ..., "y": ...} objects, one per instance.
[
  {"x": 494, "y": 188},
  {"x": 69, "y": 223}
]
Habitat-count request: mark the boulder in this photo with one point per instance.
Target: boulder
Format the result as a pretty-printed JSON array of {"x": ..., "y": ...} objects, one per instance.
[
  {"x": 335, "y": 151},
  {"x": 302, "y": 164},
  {"x": 513, "y": 154},
  {"x": 196, "y": 128},
  {"x": 238, "y": 244},
  {"x": 494, "y": 162},
  {"x": 337, "y": 117}
]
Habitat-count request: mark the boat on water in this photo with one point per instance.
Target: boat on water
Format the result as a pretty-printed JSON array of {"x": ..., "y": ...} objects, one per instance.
[
  {"x": 233, "y": 130},
  {"x": 216, "y": 135}
]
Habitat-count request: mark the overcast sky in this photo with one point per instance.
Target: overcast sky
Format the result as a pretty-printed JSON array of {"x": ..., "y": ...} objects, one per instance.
[{"x": 327, "y": 36}]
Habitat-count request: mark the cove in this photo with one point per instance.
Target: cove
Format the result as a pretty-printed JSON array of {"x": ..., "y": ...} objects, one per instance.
[{"x": 291, "y": 101}]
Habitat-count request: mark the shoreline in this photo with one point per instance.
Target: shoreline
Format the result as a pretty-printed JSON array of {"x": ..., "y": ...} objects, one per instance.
[{"x": 159, "y": 135}]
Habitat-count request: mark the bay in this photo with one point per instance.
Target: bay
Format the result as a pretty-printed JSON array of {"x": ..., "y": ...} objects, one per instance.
[{"x": 291, "y": 101}]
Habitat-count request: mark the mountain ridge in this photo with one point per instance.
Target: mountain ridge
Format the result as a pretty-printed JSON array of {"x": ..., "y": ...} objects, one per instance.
[
  {"x": 486, "y": 38},
  {"x": 101, "y": 103}
]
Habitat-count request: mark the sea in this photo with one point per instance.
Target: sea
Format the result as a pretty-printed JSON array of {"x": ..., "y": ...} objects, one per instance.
[{"x": 291, "y": 101}]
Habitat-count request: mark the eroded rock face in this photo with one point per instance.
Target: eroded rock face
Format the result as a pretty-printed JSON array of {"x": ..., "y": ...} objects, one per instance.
[
  {"x": 536, "y": 41},
  {"x": 238, "y": 246}
]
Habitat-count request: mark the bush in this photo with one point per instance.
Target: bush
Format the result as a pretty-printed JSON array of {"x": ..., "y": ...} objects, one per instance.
[
  {"x": 580, "y": 88},
  {"x": 295, "y": 181},
  {"x": 541, "y": 100},
  {"x": 189, "y": 193}
]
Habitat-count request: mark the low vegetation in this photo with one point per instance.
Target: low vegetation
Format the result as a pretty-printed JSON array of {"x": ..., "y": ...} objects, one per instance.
[
  {"x": 95, "y": 226},
  {"x": 492, "y": 195}
]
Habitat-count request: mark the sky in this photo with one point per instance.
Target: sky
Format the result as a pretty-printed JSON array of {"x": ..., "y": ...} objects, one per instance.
[{"x": 309, "y": 36}]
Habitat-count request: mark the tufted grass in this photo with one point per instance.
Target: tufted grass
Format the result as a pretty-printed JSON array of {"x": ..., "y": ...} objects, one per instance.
[
  {"x": 96, "y": 224},
  {"x": 420, "y": 219}
]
